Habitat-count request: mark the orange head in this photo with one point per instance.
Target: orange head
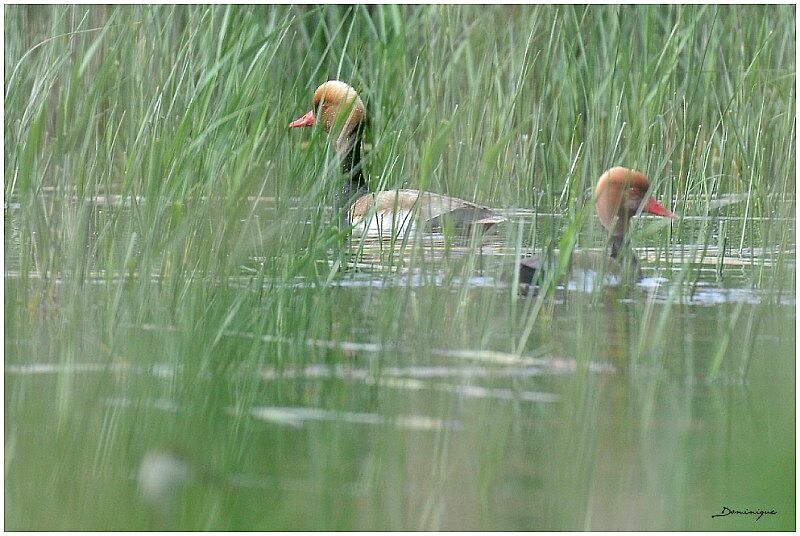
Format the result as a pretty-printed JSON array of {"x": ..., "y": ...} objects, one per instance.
[
  {"x": 619, "y": 194},
  {"x": 331, "y": 99}
]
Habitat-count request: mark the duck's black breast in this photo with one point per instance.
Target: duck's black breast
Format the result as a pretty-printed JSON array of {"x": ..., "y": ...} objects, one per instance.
[{"x": 533, "y": 269}]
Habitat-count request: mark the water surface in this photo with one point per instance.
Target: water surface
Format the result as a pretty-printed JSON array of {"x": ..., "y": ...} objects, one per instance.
[{"x": 400, "y": 388}]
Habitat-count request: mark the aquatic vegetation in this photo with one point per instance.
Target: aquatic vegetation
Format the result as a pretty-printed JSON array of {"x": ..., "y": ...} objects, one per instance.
[{"x": 180, "y": 300}]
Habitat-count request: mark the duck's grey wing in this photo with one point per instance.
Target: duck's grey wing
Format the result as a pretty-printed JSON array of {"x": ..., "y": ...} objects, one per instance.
[{"x": 438, "y": 210}]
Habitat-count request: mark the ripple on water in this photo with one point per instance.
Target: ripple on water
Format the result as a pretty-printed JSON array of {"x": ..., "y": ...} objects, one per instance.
[
  {"x": 298, "y": 416},
  {"x": 720, "y": 296}
]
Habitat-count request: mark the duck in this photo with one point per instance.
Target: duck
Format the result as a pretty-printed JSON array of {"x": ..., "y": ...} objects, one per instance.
[
  {"x": 339, "y": 109},
  {"x": 620, "y": 194}
]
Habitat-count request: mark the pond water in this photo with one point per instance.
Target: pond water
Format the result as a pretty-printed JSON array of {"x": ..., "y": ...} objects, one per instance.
[{"x": 426, "y": 394}]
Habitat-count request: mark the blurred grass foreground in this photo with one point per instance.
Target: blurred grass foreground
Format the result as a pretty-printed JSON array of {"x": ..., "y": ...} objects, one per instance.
[{"x": 190, "y": 345}]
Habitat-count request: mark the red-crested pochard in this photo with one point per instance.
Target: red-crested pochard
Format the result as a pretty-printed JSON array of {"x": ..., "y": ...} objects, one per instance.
[
  {"x": 387, "y": 211},
  {"x": 619, "y": 195}
]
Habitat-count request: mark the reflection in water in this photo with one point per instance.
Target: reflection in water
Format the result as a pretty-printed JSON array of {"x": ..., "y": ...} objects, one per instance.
[
  {"x": 162, "y": 474},
  {"x": 400, "y": 392}
]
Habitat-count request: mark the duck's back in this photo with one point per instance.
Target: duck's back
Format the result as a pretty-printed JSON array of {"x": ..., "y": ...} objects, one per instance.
[
  {"x": 438, "y": 210},
  {"x": 435, "y": 211}
]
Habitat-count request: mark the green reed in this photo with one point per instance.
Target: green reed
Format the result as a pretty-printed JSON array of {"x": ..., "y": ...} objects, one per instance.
[{"x": 163, "y": 213}]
